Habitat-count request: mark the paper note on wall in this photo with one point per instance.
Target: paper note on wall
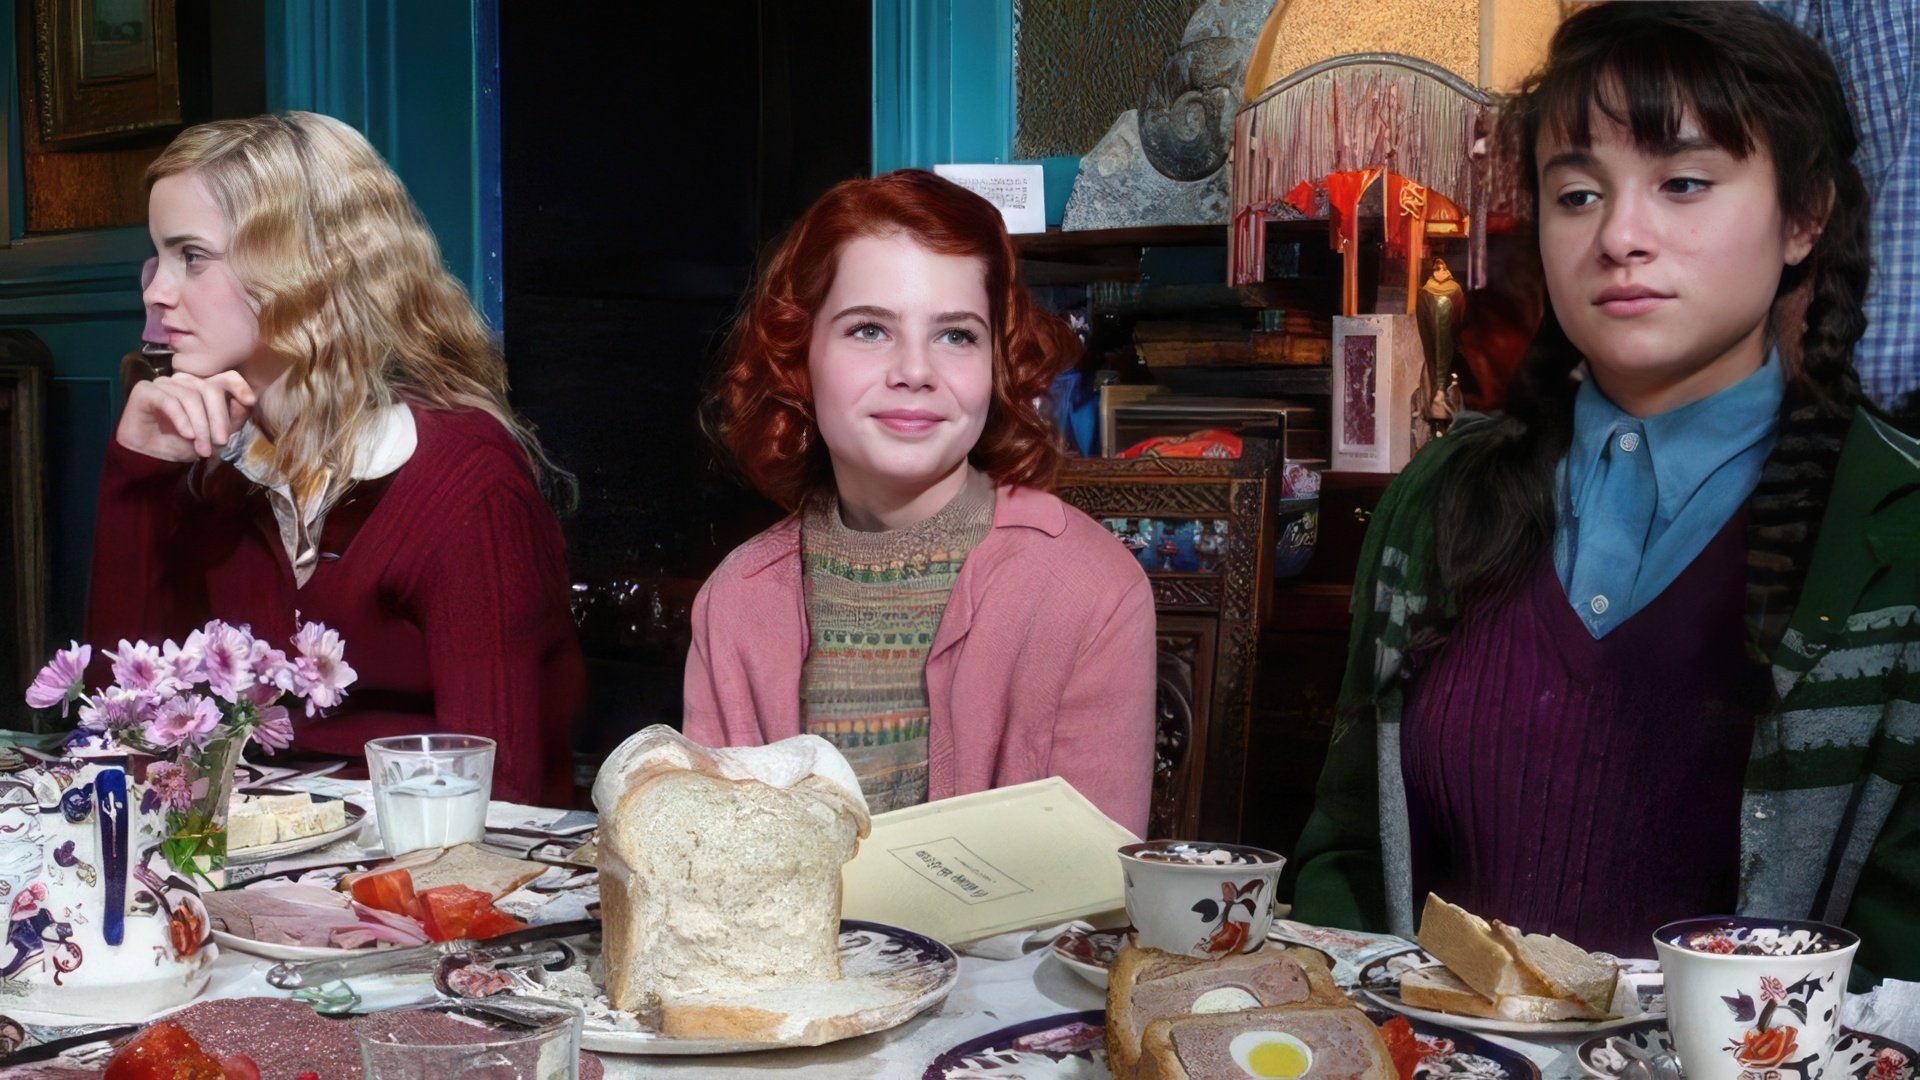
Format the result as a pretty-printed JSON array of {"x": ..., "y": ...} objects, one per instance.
[
  {"x": 967, "y": 868},
  {"x": 1018, "y": 190}
]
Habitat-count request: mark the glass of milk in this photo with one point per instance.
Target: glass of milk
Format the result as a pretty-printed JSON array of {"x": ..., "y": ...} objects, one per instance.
[{"x": 430, "y": 790}]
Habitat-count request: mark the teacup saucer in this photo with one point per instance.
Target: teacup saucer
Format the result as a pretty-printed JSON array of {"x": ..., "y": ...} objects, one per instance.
[{"x": 1860, "y": 1056}]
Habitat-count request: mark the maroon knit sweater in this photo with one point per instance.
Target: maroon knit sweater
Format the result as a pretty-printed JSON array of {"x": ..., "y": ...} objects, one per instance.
[
  {"x": 447, "y": 581},
  {"x": 1581, "y": 787}
]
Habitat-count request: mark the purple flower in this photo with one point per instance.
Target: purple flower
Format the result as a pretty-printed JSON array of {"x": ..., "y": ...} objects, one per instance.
[
  {"x": 275, "y": 729},
  {"x": 168, "y": 781},
  {"x": 1771, "y": 990},
  {"x": 273, "y": 676},
  {"x": 184, "y": 720},
  {"x": 115, "y": 709},
  {"x": 187, "y": 659},
  {"x": 59, "y": 683},
  {"x": 228, "y": 660},
  {"x": 142, "y": 669},
  {"x": 321, "y": 674}
]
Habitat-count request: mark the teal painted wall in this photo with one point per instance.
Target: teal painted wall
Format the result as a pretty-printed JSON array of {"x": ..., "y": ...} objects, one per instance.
[
  {"x": 943, "y": 90},
  {"x": 421, "y": 79},
  {"x": 418, "y": 76}
]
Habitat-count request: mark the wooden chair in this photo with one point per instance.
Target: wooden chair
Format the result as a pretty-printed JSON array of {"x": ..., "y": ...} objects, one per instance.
[{"x": 1209, "y": 617}]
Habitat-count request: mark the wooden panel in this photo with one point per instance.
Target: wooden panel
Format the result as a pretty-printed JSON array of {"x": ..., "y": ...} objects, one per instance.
[
  {"x": 1182, "y": 707},
  {"x": 25, "y": 366}
]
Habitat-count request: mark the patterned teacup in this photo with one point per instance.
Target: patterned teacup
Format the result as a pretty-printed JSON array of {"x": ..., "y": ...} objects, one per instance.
[
  {"x": 1754, "y": 999},
  {"x": 1199, "y": 899}
]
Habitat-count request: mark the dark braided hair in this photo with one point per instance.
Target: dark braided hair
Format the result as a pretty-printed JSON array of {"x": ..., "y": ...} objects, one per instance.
[{"x": 1749, "y": 79}]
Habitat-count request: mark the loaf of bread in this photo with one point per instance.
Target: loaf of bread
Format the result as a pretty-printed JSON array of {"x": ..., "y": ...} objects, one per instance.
[
  {"x": 1498, "y": 971},
  {"x": 1326, "y": 1042},
  {"x": 720, "y": 876},
  {"x": 1144, "y": 985}
]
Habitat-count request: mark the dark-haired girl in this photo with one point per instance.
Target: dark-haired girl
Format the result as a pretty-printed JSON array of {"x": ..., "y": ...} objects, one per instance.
[
  {"x": 1644, "y": 646},
  {"x": 929, "y": 607}
]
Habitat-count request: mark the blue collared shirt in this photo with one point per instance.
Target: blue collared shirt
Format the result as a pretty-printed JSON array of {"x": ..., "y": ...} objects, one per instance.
[{"x": 1640, "y": 498}]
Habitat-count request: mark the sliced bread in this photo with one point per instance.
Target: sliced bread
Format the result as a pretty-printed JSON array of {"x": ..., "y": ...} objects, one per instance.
[
  {"x": 1568, "y": 970},
  {"x": 1469, "y": 947},
  {"x": 1145, "y": 985},
  {"x": 1437, "y": 988}
]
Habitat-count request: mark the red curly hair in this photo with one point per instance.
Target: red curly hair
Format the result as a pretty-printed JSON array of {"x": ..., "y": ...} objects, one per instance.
[{"x": 761, "y": 407}]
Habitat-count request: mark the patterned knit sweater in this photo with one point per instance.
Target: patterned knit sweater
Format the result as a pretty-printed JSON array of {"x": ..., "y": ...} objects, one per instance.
[{"x": 874, "y": 600}]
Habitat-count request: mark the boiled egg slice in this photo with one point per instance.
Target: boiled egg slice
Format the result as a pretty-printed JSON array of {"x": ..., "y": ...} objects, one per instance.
[{"x": 1270, "y": 1054}]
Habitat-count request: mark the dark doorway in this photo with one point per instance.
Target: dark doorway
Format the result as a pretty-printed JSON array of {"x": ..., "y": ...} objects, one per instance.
[{"x": 648, "y": 152}]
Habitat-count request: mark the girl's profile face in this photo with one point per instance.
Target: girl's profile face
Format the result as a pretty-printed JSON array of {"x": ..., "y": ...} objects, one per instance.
[
  {"x": 1662, "y": 266},
  {"x": 210, "y": 323},
  {"x": 901, "y": 362}
]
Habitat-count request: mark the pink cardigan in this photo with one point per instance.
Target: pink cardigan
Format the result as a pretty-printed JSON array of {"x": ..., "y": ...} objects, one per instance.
[{"x": 1044, "y": 663}]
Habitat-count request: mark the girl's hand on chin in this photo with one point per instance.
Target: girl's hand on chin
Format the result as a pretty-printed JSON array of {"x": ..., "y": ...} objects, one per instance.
[{"x": 183, "y": 417}]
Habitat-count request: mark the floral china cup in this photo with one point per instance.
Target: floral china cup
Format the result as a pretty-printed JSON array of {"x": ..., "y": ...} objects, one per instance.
[
  {"x": 1754, "y": 999},
  {"x": 1199, "y": 899}
]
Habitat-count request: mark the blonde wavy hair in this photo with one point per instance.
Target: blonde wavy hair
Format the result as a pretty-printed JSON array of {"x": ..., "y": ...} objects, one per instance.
[{"x": 347, "y": 283}]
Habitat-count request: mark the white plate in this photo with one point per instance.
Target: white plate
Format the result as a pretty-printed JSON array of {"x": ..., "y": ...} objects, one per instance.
[
  {"x": 1379, "y": 981},
  {"x": 268, "y": 852},
  {"x": 228, "y": 940},
  {"x": 279, "y": 952},
  {"x": 916, "y": 971}
]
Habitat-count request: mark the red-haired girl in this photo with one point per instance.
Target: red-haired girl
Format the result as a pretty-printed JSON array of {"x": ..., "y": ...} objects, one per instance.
[{"x": 928, "y": 606}]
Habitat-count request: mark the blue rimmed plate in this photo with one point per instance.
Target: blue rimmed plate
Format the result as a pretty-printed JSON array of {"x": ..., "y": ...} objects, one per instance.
[
  {"x": 1072, "y": 1046},
  {"x": 1859, "y": 1055}
]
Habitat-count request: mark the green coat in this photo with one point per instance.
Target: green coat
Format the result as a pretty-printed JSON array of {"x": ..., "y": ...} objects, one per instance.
[{"x": 1830, "y": 824}]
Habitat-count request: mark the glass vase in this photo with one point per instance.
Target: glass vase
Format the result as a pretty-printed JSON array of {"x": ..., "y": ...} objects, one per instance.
[{"x": 196, "y": 841}]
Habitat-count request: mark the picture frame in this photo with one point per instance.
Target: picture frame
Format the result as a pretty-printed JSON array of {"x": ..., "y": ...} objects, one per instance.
[
  {"x": 105, "y": 70},
  {"x": 1377, "y": 362}
]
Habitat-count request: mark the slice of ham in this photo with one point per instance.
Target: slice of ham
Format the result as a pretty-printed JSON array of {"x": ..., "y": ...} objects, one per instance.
[
  {"x": 375, "y": 925},
  {"x": 284, "y": 913}
]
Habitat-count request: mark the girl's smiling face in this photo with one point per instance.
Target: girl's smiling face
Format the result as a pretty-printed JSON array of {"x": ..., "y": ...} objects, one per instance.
[
  {"x": 1662, "y": 265},
  {"x": 901, "y": 364}
]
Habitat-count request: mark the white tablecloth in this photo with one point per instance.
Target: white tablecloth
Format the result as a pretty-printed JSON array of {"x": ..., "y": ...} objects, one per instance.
[{"x": 990, "y": 995}]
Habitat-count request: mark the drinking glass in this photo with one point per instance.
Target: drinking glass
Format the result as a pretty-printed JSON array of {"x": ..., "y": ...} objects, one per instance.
[
  {"x": 430, "y": 790},
  {"x": 494, "y": 1039}
]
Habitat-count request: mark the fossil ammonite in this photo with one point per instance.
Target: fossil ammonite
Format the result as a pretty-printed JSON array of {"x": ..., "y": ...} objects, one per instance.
[{"x": 1186, "y": 114}]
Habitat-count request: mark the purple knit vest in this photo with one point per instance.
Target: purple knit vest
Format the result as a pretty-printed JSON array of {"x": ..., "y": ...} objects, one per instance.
[{"x": 1587, "y": 788}]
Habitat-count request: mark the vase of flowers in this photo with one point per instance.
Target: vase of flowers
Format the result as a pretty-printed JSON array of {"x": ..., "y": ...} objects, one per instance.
[{"x": 198, "y": 703}]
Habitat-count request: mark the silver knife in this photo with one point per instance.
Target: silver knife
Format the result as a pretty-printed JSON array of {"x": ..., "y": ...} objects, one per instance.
[{"x": 295, "y": 975}]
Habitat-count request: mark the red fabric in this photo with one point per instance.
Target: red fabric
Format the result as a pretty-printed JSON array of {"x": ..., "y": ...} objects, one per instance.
[
  {"x": 1301, "y": 197},
  {"x": 1343, "y": 198},
  {"x": 450, "y": 592}
]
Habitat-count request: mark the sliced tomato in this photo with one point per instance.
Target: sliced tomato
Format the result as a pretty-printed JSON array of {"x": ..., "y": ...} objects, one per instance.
[
  {"x": 388, "y": 890},
  {"x": 455, "y": 911},
  {"x": 163, "y": 1052},
  {"x": 493, "y": 922},
  {"x": 449, "y": 911}
]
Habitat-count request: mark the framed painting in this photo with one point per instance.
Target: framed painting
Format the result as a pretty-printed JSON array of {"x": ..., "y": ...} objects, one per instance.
[{"x": 105, "y": 70}]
